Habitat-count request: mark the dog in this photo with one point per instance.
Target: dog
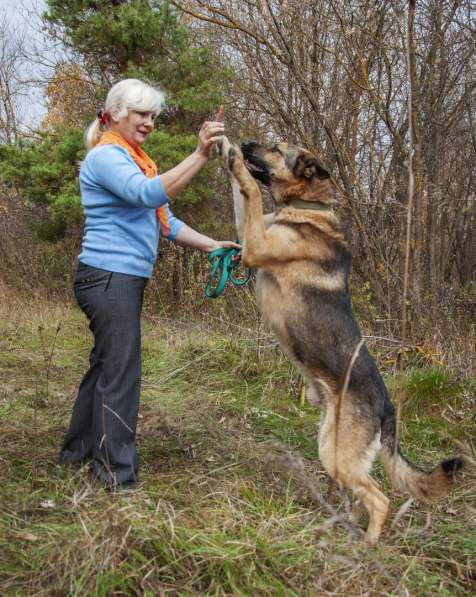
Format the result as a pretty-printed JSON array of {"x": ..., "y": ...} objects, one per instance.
[{"x": 302, "y": 290}]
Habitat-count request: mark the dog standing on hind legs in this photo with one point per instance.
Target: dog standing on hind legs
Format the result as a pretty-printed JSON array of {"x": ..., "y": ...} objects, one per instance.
[{"x": 302, "y": 291}]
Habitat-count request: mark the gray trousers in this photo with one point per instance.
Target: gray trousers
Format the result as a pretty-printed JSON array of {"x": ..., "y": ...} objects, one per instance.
[{"x": 104, "y": 419}]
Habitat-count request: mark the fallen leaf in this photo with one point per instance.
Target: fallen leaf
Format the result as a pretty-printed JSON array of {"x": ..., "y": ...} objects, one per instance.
[
  {"x": 48, "y": 504},
  {"x": 28, "y": 537}
]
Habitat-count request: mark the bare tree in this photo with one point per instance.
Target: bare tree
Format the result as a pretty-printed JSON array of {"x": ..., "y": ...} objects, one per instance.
[
  {"x": 13, "y": 88},
  {"x": 332, "y": 76}
]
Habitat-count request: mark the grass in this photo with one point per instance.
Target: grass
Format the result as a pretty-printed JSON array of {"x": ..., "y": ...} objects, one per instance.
[{"x": 217, "y": 511}]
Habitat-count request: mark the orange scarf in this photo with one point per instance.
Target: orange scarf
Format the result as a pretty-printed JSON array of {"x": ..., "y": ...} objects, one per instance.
[{"x": 145, "y": 163}]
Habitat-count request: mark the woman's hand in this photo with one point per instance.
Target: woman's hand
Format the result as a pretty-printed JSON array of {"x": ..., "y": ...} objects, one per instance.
[
  {"x": 208, "y": 135},
  {"x": 176, "y": 180}
]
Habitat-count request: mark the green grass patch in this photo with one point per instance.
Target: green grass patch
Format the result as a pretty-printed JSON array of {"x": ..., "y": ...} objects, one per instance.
[{"x": 213, "y": 514}]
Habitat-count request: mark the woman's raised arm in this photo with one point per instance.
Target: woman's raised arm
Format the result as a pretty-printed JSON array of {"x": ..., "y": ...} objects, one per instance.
[{"x": 177, "y": 178}]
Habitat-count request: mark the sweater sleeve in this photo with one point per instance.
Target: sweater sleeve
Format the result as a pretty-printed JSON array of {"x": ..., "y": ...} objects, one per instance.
[
  {"x": 174, "y": 223},
  {"x": 111, "y": 167}
]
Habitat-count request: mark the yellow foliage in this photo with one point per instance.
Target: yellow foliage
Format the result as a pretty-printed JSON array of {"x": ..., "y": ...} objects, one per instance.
[{"x": 69, "y": 97}]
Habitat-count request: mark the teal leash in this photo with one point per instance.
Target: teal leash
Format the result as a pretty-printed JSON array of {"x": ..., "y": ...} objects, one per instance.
[{"x": 224, "y": 264}]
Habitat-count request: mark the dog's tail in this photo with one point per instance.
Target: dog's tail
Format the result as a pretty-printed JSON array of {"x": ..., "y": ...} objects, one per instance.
[{"x": 405, "y": 476}]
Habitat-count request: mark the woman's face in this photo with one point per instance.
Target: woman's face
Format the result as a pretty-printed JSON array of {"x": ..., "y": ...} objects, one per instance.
[{"x": 135, "y": 127}]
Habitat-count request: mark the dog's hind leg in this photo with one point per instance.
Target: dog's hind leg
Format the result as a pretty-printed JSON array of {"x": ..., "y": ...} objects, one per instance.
[
  {"x": 348, "y": 461},
  {"x": 374, "y": 501},
  {"x": 358, "y": 509}
]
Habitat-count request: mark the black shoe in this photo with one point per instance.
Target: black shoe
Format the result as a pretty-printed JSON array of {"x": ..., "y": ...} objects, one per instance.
[
  {"x": 126, "y": 486},
  {"x": 68, "y": 459}
]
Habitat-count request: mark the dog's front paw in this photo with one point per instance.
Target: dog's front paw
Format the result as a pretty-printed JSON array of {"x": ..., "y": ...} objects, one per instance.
[
  {"x": 223, "y": 147},
  {"x": 229, "y": 152},
  {"x": 235, "y": 158}
]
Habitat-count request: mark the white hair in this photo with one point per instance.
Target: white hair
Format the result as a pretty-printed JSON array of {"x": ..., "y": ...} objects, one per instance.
[{"x": 129, "y": 94}]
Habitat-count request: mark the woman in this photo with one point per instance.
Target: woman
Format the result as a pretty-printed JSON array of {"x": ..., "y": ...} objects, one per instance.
[{"x": 126, "y": 209}]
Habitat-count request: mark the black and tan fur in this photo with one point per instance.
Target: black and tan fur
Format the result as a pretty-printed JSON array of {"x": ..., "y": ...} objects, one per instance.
[{"x": 302, "y": 287}]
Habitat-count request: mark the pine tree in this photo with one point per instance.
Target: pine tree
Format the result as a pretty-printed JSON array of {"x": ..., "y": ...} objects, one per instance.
[
  {"x": 115, "y": 39},
  {"x": 109, "y": 40}
]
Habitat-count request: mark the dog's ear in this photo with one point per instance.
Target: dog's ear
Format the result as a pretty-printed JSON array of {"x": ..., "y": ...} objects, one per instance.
[{"x": 308, "y": 166}]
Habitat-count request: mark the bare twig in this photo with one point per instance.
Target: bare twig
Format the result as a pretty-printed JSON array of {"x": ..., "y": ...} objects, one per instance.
[{"x": 411, "y": 187}]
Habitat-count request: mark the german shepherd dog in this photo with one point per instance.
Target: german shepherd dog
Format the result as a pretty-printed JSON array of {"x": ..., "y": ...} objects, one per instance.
[{"x": 302, "y": 288}]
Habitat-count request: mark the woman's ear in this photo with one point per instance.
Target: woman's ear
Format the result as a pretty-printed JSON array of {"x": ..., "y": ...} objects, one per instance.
[{"x": 114, "y": 114}]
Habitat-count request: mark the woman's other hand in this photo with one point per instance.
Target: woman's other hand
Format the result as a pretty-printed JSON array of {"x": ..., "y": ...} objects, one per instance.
[
  {"x": 188, "y": 237},
  {"x": 223, "y": 244}
]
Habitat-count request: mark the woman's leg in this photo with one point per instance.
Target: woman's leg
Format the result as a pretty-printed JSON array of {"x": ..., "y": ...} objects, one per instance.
[
  {"x": 116, "y": 399},
  {"x": 105, "y": 414},
  {"x": 77, "y": 445}
]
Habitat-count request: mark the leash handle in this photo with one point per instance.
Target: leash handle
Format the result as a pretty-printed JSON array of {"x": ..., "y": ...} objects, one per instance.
[{"x": 223, "y": 263}]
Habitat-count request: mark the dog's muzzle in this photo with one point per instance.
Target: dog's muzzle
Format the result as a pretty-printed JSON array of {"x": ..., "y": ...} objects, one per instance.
[{"x": 254, "y": 164}]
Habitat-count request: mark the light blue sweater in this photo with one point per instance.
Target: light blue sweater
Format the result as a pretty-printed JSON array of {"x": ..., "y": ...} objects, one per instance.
[{"x": 121, "y": 231}]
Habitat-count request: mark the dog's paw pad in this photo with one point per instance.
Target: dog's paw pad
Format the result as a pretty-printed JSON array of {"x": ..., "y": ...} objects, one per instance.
[
  {"x": 223, "y": 146},
  {"x": 219, "y": 147},
  {"x": 231, "y": 157}
]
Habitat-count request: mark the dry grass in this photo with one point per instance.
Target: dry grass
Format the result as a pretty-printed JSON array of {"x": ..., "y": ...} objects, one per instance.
[{"x": 232, "y": 501}]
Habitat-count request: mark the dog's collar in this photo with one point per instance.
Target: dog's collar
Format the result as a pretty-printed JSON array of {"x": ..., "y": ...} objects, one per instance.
[{"x": 316, "y": 205}]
